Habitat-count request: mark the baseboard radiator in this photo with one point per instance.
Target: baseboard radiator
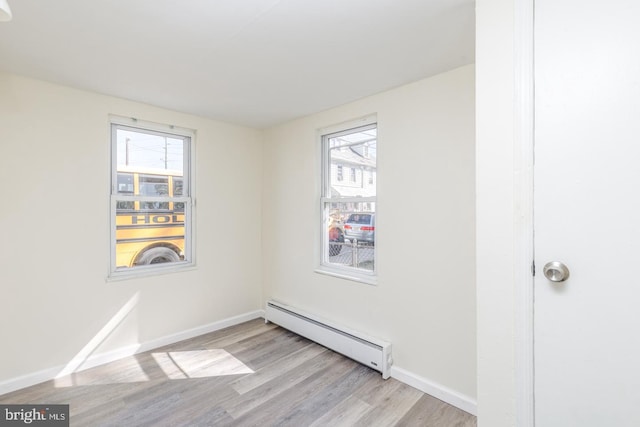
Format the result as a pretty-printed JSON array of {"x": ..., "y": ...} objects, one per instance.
[{"x": 371, "y": 352}]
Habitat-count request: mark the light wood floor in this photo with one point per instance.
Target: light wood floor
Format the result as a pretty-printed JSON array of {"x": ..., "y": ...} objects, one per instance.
[{"x": 253, "y": 374}]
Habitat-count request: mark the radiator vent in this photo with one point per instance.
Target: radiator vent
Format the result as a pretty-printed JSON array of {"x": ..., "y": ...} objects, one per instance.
[{"x": 371, "y": 352}]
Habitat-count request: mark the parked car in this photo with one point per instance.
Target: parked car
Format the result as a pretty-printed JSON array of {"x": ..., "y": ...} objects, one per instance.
[{"x": 361, "y": 226}]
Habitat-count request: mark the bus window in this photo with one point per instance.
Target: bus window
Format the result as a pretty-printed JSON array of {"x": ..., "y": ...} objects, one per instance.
[
  {"x": 125, "y": 183},
  {"x": 154, "y": 186},
  {"x": 177, "y": 191},
  {"x": 125, "y": 186}
]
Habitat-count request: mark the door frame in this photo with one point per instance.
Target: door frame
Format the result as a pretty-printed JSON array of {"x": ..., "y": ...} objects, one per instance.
[{"x": 524, "y": 141}]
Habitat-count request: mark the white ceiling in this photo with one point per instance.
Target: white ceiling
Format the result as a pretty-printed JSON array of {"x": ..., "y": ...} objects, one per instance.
[{"x": 251, "y": 62}]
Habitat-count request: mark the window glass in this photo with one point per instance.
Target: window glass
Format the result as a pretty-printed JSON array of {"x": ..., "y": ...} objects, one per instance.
[
  {"x": 348, "y": 224},
  {"x": 151, "y": 199}
]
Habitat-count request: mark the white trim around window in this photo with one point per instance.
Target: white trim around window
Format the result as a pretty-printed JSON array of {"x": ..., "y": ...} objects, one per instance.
[
  {"x": 347, "y": 220},
  {"x": 152, "y": 203}
]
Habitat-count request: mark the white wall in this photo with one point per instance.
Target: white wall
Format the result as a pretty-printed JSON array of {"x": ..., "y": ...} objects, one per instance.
[
  {"x": 55, "y": 163},
  {"x": 54, "y": 166},
  {"x": 424, "y": 302}
]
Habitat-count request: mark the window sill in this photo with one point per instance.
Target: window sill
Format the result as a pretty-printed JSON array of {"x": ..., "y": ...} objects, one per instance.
[
  {"x": 141, "y": 272},
  {"x": 354, "y": 276}
]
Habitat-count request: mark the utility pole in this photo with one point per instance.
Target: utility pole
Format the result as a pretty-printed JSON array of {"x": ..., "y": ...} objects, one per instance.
[{"x": 166, "y": 143}]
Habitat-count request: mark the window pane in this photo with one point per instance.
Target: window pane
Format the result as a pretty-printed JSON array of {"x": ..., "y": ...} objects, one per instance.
[
  {"x": 144, "y": 238},
  {"x": 143, "y": 151},
  {"x": 357, "y": 152},
  {"x": 351, "y": 231}
]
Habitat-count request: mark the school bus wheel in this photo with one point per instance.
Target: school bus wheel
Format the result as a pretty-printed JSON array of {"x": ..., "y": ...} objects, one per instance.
[{"x": 157, "y": 255}]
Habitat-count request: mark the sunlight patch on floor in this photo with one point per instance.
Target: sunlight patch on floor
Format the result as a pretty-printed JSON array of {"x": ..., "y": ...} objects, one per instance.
[
  {"x": 129, "y": 371},
  {"x": 200, "y": 364}
]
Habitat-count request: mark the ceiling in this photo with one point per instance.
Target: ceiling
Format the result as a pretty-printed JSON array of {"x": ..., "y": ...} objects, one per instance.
[{"x": 252, "y": 62}]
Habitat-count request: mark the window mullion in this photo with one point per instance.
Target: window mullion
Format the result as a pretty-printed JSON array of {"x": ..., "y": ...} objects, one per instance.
[
  {"x": 348, "y": 199},
  {"x": 151, "y": 198}
]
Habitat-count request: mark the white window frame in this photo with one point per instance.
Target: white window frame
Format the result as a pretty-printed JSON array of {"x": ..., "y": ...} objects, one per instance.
[
  {"x": 326, "y": 267},
  {"x": 188, "y": 198}
]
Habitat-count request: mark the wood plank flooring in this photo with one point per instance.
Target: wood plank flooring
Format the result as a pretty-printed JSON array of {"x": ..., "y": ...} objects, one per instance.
[{"x": 253, "y": 374}]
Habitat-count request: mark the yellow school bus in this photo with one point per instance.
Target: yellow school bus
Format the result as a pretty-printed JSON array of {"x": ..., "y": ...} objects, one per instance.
[{"x": 149, "y": 232}]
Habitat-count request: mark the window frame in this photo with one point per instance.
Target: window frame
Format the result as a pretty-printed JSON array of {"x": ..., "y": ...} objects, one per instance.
[
  {"x": 325, "y": 266},
  {"x": 188, "y": 137}
]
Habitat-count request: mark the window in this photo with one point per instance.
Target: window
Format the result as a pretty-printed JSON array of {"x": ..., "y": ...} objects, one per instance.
[
  {"x": 151, "y": 208},
  {"x": 340, "y": 176},
  {"x": 348, "y": 227}
]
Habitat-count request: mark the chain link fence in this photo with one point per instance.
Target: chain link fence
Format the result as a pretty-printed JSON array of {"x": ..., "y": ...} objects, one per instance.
[{"x": 353, "y": 254}]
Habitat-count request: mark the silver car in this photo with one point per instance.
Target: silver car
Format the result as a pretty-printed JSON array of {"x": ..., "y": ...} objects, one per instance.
[{"x": 361, "y": 226}]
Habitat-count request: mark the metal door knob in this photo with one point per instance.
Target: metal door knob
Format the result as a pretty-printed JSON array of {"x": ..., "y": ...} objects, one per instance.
[{"x": 556, "y": 271}]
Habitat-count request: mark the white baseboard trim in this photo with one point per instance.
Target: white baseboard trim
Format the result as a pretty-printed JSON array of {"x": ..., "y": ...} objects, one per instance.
[
  {"x": 201, "y": 330},
  {"x": 436, "y": 390},
  {"x": 28, "y": 380}
]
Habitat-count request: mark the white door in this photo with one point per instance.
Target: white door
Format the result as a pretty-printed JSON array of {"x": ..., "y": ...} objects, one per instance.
[{"x": 587, "y": 212}]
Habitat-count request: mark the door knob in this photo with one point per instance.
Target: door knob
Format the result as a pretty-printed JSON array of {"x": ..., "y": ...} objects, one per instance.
[{"x": 556, "y": 271}]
